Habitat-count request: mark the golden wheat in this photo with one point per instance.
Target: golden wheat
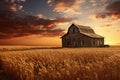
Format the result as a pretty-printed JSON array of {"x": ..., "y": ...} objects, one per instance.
[{"x": 62, "y": 64}]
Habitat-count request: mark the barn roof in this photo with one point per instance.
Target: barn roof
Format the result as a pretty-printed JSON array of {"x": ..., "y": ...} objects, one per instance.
[{"x": 88, "y": 31}]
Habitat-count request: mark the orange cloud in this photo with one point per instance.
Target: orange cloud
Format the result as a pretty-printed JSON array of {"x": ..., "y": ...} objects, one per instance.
[
  {"x": 66, "y": 6},
  {"x": 92, "y": 16},
  {"x": 107, "y": 25},
  {"x": 41, "y": 16},
  {"x": 118, "y": 30}
]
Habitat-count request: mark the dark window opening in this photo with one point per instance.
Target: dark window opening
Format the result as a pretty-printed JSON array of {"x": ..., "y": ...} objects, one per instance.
[
  {"x": 101, "y": 42},
  {"x": 93, "y": 42},
  {"x": 98, "y": 42},
  {"x": 82, "y": 43},
  {"x": 73, "y": 30},
  {"x": 73, "y": 39},
  {"x": 65, "y": 39},
  {"x": 68, "y": 43}
]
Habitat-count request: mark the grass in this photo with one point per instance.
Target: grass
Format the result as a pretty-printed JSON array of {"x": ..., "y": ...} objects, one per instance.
[{"x": 61, "y": 64}]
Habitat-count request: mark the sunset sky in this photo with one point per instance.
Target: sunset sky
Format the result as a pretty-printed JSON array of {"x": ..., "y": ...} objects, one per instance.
[{"x": 43, "y": 22}]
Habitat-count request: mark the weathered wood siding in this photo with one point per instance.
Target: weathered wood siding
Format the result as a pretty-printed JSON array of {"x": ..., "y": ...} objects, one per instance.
[{"x": 74, "y": 38}]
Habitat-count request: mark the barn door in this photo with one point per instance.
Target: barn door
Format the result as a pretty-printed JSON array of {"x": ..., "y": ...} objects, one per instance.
[{"x": 75, "y": 43}]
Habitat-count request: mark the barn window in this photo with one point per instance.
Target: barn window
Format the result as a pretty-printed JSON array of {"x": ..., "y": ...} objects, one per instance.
[
  {"x": 98, "y": 42},
  {"x": 82, "y": 42},
  {"x": 65, "y": 39},
  {"x": 73, "y": 30},
  {"x": 68, "y": 43},
  {"x": 73, "y": 39},
  {"x": 101, "y": 42},
  {"x": 93, "y": 42}
]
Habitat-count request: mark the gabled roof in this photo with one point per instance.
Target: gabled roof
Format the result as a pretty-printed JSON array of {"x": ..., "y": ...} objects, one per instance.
[{"x": 88, "y": 31}]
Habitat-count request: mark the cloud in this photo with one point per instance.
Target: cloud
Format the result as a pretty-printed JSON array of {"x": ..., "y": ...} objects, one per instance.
[
  {"x": 102, "y": 1},
  {"x": 18, "y": 24},
  {"x": 66, "y": 6},
  {"x": 41, "y": 16},
  {"x": 13, "y": 5},
  {"x": 118, "y": 30},
  {"x": 112, "y": 10},
  {"x": 92, "y": 16},
  {"x": 107, "y": 25},
  {"x": 49, "y": 1}
]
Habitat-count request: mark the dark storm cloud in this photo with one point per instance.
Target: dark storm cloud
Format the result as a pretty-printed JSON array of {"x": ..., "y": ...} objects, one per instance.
[
  {"x": 112, "y": 10},
  {"x": 15, "y": 23}
]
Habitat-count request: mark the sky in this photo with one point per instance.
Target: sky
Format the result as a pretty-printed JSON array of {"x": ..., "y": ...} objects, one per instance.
[{"x": 43, "y": 22}]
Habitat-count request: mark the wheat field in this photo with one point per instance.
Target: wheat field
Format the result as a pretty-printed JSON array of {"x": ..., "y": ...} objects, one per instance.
[{"x": 60, "y": 64}]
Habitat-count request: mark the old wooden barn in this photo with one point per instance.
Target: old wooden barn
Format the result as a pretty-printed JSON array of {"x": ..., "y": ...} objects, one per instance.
[{"x": 81, "y": 36}]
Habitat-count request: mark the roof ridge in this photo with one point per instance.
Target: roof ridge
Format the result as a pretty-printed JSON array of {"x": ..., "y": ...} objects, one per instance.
[{"x": 82, "y": 26}]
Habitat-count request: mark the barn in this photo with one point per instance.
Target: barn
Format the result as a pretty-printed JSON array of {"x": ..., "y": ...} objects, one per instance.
[{"x": 81, "y": 36}]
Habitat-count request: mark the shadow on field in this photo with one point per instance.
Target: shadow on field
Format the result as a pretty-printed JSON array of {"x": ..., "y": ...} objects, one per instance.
[
  {"x": 34, "y": 48},
  {"x": 2, "y": 73}
]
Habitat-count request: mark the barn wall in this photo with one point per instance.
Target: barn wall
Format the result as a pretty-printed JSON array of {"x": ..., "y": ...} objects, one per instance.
[
  {"x": 81, "y": 41},
  {"x": 74, "y": 38},
  {"x": 76, "y": 41}
]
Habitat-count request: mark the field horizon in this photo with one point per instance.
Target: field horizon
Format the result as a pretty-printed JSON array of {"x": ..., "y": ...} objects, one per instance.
[{"x": 13, "y": 47}]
